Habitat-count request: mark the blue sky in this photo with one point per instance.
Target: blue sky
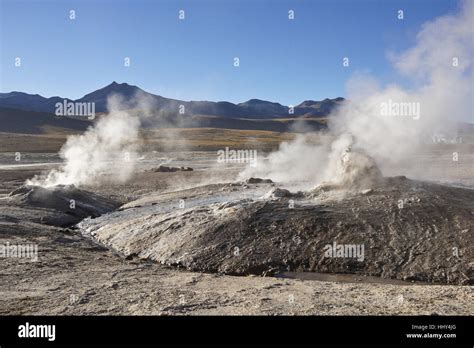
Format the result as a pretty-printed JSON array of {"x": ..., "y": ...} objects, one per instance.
[{"x": 281, "y": 60}]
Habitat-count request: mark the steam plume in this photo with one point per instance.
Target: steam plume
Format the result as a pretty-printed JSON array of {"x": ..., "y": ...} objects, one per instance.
[
  {"x": 108, "y": 147},
  {"x": 439, "y": 68}
]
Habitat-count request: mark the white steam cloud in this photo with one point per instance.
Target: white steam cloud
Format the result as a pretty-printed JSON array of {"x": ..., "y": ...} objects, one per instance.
[
  {"x": 392, "y": 122},
  {"x": 108, "y": 147}
]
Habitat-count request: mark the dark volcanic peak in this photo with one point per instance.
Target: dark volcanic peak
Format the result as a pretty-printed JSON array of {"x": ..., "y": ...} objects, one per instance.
[
  {"x": 100, "y": 96},
  {"x": 120, "y": 88}
]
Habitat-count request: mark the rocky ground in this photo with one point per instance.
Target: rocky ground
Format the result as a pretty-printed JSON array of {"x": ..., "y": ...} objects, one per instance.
[
  {"x": 225, "y": 228},
  {"x": 76, "y": 275}
]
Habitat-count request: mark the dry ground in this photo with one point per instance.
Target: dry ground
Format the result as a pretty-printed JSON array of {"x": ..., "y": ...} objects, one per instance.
[
  {"x": 198, "y": 139},
  {"x": 75, "y": 276}
]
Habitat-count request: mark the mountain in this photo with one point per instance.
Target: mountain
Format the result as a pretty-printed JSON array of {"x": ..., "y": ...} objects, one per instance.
[
  {"x": 253, "y": 108},
  {"x": 261, "y": 108},
  {"x": 33, "y": 122},
  {"x": 30, "y": 102},
  {"x": 100, "y": 96},
  {"x": 318, "y": 108}
]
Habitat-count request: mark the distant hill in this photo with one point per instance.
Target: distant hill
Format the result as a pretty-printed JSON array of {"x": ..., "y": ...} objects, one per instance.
[
  {"x": 274, "y": 125},
  {"x": 30, "y": 102},
  {"x": 253, "y": 108},
  {"x": 262, "y": 108},
  {"x": 318, "y": 108},
  {"x": 32, "y": 122}
]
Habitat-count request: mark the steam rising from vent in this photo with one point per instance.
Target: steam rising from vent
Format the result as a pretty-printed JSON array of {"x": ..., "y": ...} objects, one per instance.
[
  {"x": 350, "y": 169},
  {"x": 389, "y": 123},
  {"x": 108, "y": 147},
  {"x": 377, "y": 127}
]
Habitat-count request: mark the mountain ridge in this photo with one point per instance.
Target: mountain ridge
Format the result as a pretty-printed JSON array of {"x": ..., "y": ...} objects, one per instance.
[{"x": 252, "y": 108}]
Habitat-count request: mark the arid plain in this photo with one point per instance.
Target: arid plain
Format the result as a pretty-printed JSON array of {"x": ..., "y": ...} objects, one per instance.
[{"x": 78, "y": 274}]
